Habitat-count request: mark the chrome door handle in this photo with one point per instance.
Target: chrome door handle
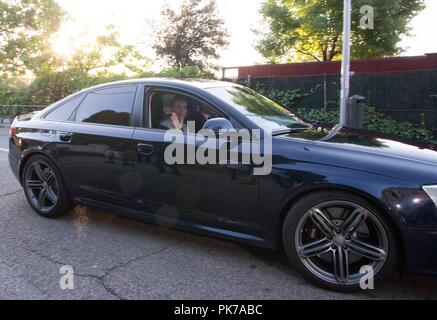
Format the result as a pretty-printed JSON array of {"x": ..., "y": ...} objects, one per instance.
[
  {"x": 65, "y": 136},
  {"x": 145, "y": 149}
]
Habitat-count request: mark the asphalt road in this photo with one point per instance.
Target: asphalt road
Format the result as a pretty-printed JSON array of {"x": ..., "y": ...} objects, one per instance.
[{"x": 116, "y": 258}]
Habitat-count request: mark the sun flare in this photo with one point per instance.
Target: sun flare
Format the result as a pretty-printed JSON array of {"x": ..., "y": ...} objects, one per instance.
[{"x": 62, "y": 47}]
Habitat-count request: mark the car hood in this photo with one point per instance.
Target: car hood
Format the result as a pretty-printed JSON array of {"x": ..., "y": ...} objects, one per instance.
[{"x": 370, "y": 151}]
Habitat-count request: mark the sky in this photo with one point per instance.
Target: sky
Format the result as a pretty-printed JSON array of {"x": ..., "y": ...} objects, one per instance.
[
  {"x": 423, "y": 34},
  {"x": 133, "y": 17}
]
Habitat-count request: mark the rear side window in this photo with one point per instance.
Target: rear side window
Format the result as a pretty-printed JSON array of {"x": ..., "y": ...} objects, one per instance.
[
  {"x": 109, "y": 106},
  {"x": 64, "y": 112}
]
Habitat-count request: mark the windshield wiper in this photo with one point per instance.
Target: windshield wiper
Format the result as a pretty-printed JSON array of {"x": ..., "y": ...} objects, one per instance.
[{"x": 291, "y": 130}]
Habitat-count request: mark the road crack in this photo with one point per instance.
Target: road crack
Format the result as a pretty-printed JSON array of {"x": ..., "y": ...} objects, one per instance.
[
  {"x": 11, "y": 193},
  {"x": 102, "y": 280},
  {"x": 42, "y": 255}
]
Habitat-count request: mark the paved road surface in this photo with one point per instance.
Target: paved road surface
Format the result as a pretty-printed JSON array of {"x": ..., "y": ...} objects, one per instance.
[{"x": 117, "y": 258}]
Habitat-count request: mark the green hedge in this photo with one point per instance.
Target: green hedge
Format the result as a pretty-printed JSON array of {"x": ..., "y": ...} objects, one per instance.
[
  {"x": 54, "y": 86},
  {"x": 374, "y": 120}
]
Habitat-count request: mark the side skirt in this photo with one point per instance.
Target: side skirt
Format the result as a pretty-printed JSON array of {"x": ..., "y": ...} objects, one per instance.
[{"x": 178, "y": 224}]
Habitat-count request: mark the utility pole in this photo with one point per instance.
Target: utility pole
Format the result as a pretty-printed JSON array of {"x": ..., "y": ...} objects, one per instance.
[{"x": 345, "y": 66}]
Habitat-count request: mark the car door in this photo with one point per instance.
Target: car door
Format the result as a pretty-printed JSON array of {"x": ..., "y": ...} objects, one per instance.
[
  {"x": 225, "y": 196},
  {"x": 94, "y": 148}
]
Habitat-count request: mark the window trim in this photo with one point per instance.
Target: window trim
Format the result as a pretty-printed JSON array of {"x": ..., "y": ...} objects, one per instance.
[
  {"x": 48, "y": 112},
  {"x": 72, "y": 118},
  {"x": 146, "y": 119}
]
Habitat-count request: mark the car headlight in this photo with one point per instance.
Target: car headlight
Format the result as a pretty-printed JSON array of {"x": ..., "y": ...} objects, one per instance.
[{"x": 432, "y": 192}]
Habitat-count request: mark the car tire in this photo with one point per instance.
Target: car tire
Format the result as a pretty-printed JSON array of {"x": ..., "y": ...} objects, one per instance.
[
  {"x": 325, "y": 233},
  {"x": 44, "y": 187}
]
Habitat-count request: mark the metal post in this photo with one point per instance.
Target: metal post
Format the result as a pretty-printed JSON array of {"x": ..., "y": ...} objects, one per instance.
[
  {"x": 325, "y": 92},
  {"x": 345, "y": 66}
]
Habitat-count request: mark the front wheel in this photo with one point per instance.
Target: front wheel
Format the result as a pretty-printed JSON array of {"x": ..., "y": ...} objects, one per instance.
[
  {"x": 331, "y": 236},
  {"x": 44, "y": 187}
]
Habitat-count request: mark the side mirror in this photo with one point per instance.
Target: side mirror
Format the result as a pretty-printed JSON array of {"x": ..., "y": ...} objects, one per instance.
[{"x": 218, "y": 124}]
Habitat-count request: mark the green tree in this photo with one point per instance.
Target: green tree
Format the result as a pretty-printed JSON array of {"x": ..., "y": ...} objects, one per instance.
[
  {"x": 192, "y": 36},
  {"x": 312, "y": 29},
  {"x": 25, "y": 27},
  {"x": 106, "y": 53},
  {"x": 184, "y": 73},
  {"x": 55, "y": 85}
]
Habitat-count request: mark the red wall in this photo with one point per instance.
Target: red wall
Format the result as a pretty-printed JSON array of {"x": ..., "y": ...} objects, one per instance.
[{"x": 398, "y": 64}]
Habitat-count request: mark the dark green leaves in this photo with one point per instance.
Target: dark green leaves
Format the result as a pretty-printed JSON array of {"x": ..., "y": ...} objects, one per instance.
[{"x": 312, "y": 29}]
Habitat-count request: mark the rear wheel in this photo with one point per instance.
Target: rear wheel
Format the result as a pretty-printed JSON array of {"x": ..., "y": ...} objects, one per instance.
[
  {"x": 44, "y": 188},
  {"x": 331, "y": 236}
]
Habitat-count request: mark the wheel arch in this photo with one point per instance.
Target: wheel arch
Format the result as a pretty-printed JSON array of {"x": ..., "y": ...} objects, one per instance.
[
  {"x": 26, "y": 158},
  {"x": 32, "y": 154}
]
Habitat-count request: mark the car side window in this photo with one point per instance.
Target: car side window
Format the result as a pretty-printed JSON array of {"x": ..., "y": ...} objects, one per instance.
[
  {"x": 108, "y": 106},
  {"x": 63, "y": 112},
  {"x": 169, "y": 110}
]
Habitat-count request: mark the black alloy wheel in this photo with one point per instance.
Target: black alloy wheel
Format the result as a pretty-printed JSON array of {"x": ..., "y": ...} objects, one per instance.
[
  {"x": 331, "y": 236},
  {"x": 44, "y": 188}
]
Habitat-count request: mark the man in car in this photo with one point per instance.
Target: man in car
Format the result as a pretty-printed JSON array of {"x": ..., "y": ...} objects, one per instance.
[{"x": 178, "y": 112}]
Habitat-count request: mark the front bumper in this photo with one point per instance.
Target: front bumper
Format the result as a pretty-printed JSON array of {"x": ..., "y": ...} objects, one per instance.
[
  {"x": 421, "y": 249},
  {"x": 416, "y": 216}
]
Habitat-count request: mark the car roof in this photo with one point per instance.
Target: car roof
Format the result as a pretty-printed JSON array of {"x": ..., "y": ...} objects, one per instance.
[
  {"x": 186, "y": 84},
  {"x": 169, "y": 82}
]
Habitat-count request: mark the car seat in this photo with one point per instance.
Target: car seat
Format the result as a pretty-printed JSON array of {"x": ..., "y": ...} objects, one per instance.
[{"x": 157, "y": 110}]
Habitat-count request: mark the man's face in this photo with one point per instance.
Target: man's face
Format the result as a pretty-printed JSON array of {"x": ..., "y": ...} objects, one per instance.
[{"x": 180, "y": 108}]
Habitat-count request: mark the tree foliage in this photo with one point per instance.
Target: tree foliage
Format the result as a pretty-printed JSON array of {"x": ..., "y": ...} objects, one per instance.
[
  {"x": 56, "y": 77},
  {"x": 312, "y": 29},
  {"x": 54, "y": 86},
  {"x": 184, "y": 73},
  {"x": 105, "y": 53},
  {"x": 102, "y": 56},
  {"x": 25, "y": 27},
  {"x": 191, "y": 36},
  {"x": 26, "y": 30}
]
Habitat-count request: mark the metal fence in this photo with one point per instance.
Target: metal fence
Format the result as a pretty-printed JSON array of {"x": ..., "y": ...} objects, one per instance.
[
  {"x": 9, "y": 112},
  {"x": 404, "y": 96}
]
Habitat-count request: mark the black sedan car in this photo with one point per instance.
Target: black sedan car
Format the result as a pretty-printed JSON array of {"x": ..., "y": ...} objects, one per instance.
[{"x": 335, "y": 199}]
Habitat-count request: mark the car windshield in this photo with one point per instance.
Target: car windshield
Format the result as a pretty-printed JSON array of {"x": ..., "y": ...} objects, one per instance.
[{"x": 266, "y": 113}]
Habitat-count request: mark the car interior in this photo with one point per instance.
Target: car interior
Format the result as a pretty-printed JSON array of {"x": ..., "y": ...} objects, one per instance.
[{"x": 160, "y": 110}]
